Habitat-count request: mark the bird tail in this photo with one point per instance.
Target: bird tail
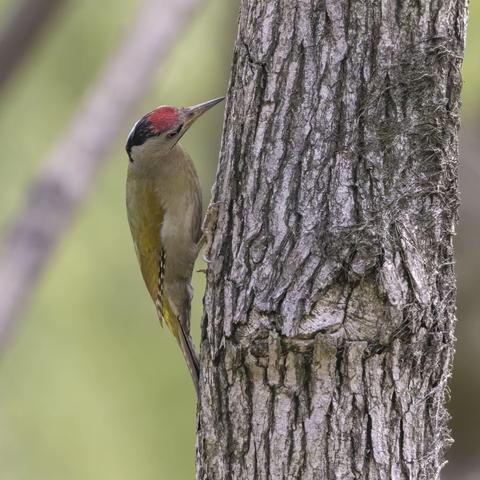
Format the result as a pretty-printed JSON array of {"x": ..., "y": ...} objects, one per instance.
[
  {"x": 191, "y": 358},
  {"x": 177, "y": 327}
]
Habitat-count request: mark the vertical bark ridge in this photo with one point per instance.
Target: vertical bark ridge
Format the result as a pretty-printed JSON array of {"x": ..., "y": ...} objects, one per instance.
[{"x": 329, "y": 309}]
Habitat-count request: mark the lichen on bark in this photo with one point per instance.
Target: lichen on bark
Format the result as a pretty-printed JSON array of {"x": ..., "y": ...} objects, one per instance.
[{"x": 328, "y": 331}]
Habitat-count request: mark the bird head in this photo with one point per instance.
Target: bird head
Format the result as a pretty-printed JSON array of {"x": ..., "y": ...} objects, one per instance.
[{"x": 158, "y": 131}]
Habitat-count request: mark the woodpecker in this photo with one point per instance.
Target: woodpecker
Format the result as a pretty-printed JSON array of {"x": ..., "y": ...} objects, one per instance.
[{"x": 164, "y": 208}]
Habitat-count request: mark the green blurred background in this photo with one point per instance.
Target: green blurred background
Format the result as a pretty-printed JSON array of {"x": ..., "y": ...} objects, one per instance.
[{"x": 90, "y": 386}]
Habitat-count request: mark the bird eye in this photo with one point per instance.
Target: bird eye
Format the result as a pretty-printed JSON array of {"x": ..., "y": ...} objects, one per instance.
[{"x": 175, "y": 132}]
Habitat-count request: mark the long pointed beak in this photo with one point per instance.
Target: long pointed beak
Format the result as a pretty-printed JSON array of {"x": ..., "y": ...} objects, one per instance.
[{"x": 192, "y": 113}]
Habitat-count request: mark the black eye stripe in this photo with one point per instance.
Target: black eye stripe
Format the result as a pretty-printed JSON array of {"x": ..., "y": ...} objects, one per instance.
[{"x": 175, "y": 132}]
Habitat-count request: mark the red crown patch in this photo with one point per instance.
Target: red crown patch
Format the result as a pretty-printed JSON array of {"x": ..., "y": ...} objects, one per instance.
[{"x": 163, "y": 118}]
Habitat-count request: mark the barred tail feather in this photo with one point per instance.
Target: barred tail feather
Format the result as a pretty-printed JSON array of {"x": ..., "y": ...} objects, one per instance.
[
  {"x": 159, "y": 299},
  {"x": 175, "y": 324}
]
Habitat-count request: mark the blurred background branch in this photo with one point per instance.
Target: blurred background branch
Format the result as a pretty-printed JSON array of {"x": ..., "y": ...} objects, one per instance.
[
  {"x": 19, "y": 34},
  {"x": 65, "y": 180}
]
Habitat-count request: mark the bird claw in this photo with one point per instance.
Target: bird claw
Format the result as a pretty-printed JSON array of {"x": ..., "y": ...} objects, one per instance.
[{"x": 208, "y": 226}]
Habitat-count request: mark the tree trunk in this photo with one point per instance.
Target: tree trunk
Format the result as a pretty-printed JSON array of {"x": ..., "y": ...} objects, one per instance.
[{"x": 328, "y": 332}]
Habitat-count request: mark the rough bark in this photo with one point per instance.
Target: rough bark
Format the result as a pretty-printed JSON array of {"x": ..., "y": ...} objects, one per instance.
[{"x": 328, "y": 332}]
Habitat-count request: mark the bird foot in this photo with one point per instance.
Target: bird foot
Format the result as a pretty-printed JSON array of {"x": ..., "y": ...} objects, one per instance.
[{"x": 208, "y": 227}]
